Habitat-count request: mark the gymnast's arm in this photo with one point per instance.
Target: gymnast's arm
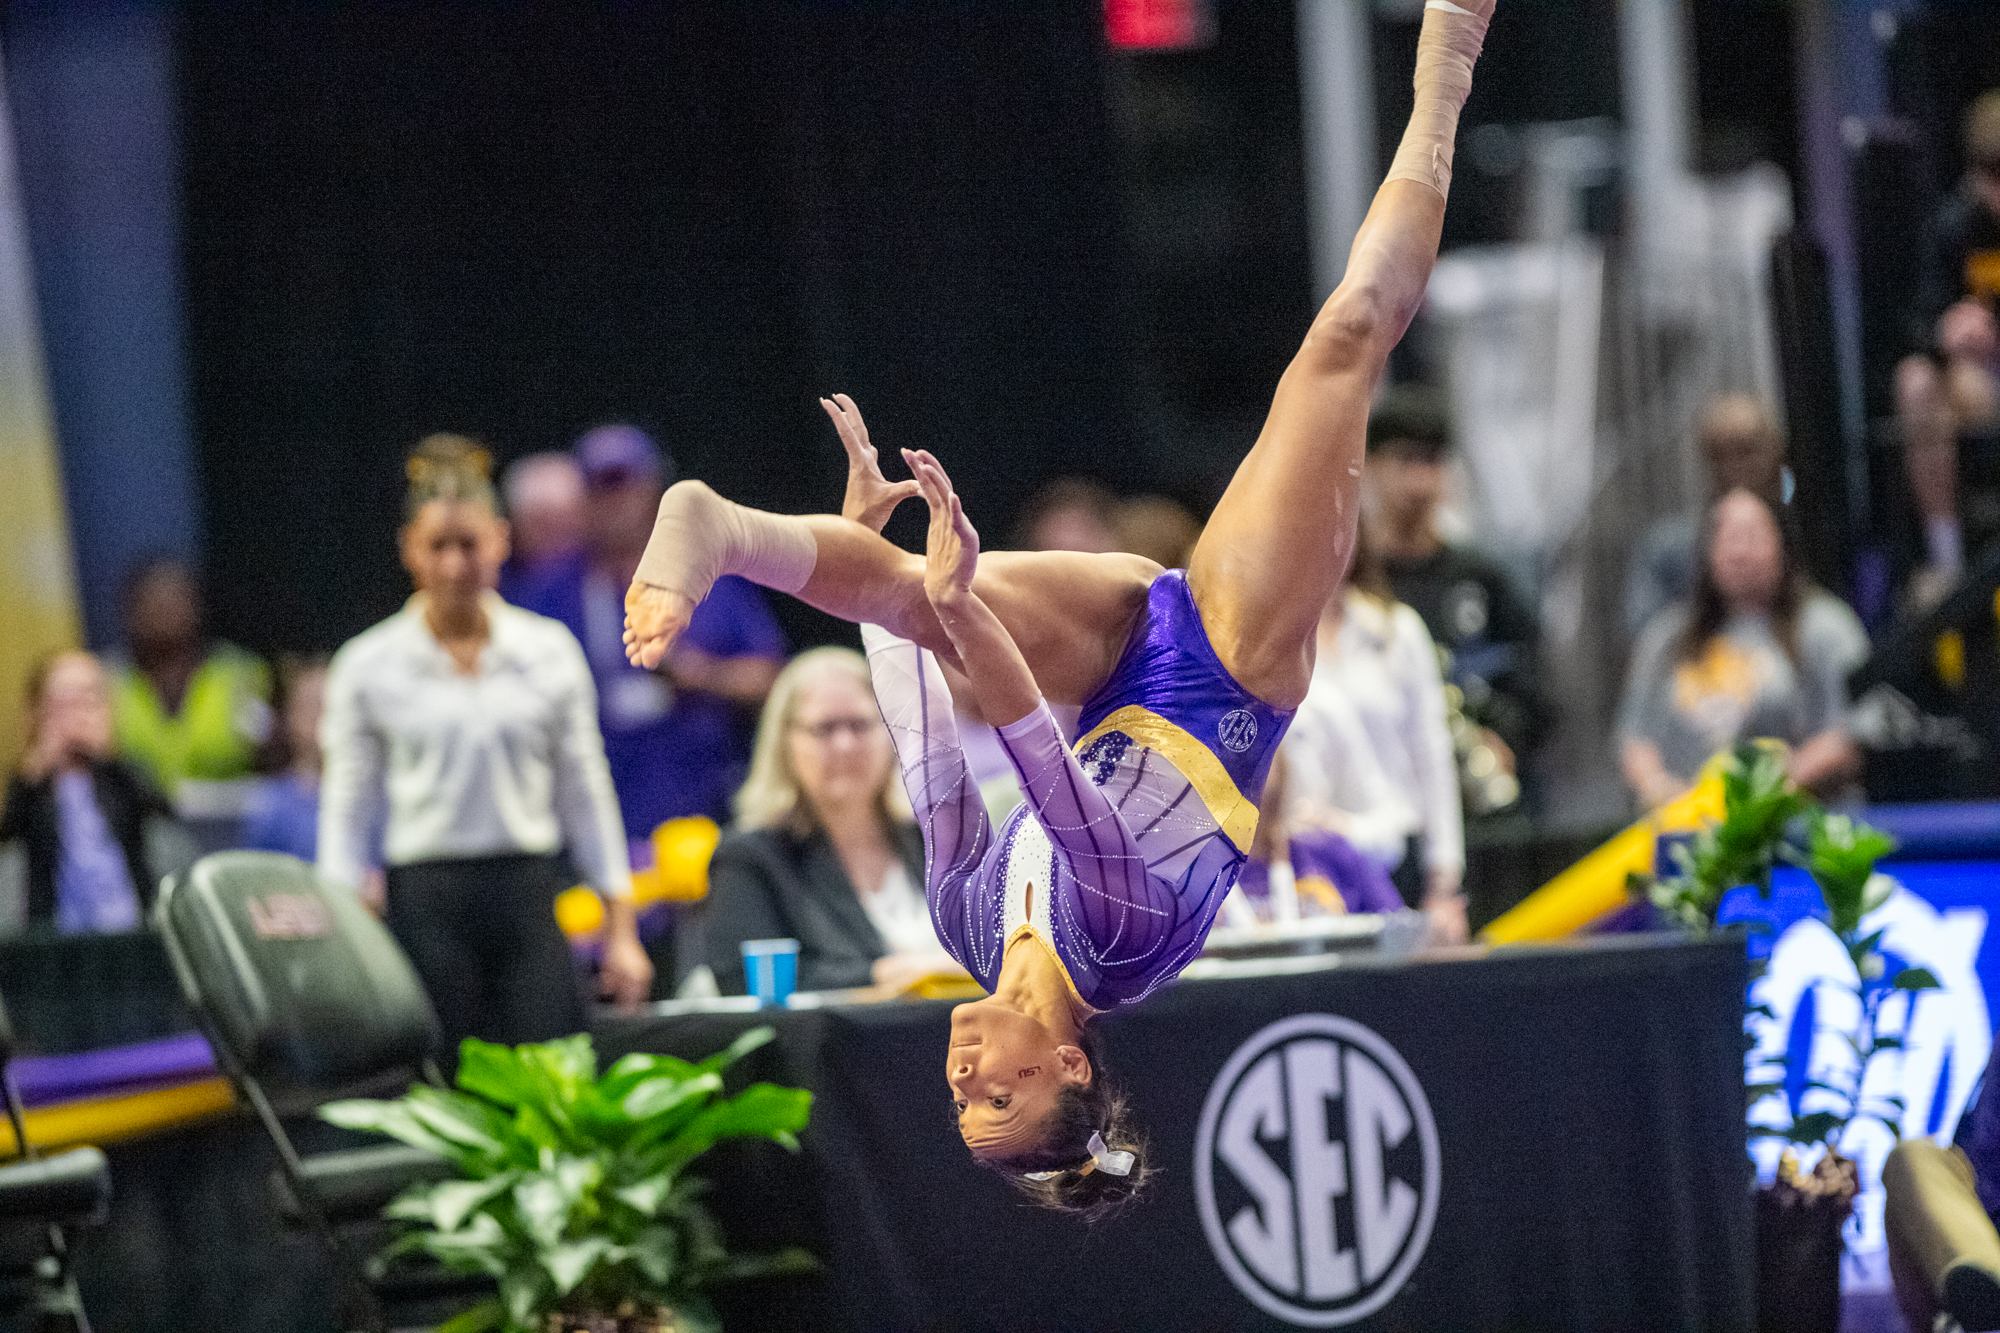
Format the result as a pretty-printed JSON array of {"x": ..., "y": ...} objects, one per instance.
[
  {"x": 352, "y": 789},
  {"x": 1001, "y": 682}
]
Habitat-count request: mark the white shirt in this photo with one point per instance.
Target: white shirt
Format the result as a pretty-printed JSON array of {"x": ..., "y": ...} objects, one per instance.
[
  {"x": 1370, "y": 738},
  {"x": 899, "y": 914},
  {"x": 505, "y": 760}
]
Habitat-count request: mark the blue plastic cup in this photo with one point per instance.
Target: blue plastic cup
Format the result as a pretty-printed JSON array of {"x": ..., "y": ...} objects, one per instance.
[{"x": 772, "y": 969}]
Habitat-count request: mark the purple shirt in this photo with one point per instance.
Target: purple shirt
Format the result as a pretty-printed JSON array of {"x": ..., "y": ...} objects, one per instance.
[
  {"x": 284, "y": 817},
  {"x": 1363, "y": 885},
  {"x": 671, "y": 752},
  {"x": 94, "y": 889}
]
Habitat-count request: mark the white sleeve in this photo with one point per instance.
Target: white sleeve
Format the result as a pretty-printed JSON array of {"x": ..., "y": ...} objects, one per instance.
[
  {"x": 1442, "y": 819},
  {"x": 352, "y": 788},
  {"x": 586, "y": 804}
]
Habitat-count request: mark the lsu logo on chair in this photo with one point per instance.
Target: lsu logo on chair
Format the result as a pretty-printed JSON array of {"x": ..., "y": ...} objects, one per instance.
[{"x": 1317, "y": 1170}]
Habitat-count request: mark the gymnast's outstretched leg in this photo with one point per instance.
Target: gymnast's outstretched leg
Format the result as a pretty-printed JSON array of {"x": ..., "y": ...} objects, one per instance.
[
  {"x": 1284, "y": 530},
  {"x": 1069, "y": 611}
]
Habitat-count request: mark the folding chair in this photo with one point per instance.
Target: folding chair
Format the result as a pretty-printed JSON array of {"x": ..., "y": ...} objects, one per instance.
[
  {"x": 306, "y": 997},
  {"x": 48, "y": 1195}
]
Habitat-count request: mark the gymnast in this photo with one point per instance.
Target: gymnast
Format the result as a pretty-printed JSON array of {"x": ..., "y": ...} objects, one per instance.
[{"x": 1105, "y": 881}]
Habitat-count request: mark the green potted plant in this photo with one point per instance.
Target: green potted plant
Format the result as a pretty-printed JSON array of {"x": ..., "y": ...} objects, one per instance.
[
  {"x": 572, "y": 1192},
  {"x": 1800, "y": 1215}
]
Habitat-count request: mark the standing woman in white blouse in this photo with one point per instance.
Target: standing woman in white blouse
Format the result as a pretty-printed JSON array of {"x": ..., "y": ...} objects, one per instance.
[
  {"x": 1370, "y": 754},
  {"x": 475, "y": 723}
]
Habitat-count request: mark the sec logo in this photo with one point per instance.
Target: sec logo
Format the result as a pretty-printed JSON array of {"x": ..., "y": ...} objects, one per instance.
[
  {"x": 1317, "y": 1170},
  {"x": 1238, "y": 730}
]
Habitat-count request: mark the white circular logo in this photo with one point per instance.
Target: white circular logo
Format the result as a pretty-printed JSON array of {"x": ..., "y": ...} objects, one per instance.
[
  {"x": 1317, "y": 1170},
  {"x": 1237, "y": 730}
]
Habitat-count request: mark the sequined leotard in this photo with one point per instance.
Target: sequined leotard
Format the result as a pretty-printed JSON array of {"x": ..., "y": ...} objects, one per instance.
[{"x": 1131, "y": 840}]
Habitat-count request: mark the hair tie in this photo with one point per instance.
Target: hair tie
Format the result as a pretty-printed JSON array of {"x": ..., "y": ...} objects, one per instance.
[{"x": 1101, "y": 1159}]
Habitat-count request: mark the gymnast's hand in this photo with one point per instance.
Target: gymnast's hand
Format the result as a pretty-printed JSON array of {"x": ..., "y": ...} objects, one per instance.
[
  {"x": 951, "y": 553},
  {"x": 654, "y": 618},
  {"x": 871, "y": 497}
]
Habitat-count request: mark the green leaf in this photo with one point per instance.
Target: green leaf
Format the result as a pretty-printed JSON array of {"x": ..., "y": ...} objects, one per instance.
[
  {"x": 1815, "y": 1127},
  {"x": 487, "y": 1315},
  {"x": 466, "y": 1121},
  {"x": 1916, "y": 979},
  {"x": 448, "y": 1204},
  {"x": 657, "y": 1096},
  {"x": 632, "y": 1070},
  {"x": 544, "y": 1206},
  {"x": 646, "y": 1195},
  {"x": 567, "y": 1264},
  {"x": 397, "y": 1120},
  {"x": 737, "y": 1049},
  {"x": 521, "y": 1291},
  {"x": 494, "y": 1072},
  {"x": 762, "y": 1110},
  {"x": 657, "y": 1252}
]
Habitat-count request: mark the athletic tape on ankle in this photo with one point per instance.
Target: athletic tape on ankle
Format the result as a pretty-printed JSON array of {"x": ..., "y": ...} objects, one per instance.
[
  {"x": 1446, "y": 50},
  {"x": 699, "y": 537}
]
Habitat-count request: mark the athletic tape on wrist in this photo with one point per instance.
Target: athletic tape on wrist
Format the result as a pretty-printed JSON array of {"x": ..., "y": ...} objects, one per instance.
[{"x": 1446, "y": 49}]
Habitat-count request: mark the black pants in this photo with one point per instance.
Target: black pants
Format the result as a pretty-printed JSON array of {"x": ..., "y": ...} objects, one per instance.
[{"x": 482, "y": 934}]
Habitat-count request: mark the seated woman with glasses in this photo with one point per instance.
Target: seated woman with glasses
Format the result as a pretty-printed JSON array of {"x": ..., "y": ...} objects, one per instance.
[{"x": 825, "y": 852}]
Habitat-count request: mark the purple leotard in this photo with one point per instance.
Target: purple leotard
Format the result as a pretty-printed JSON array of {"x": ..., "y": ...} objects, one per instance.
[{"x": 1130, "y": 841}]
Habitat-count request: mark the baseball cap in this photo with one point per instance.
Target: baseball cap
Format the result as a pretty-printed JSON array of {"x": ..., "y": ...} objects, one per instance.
[{"x": 608, "y": 454}]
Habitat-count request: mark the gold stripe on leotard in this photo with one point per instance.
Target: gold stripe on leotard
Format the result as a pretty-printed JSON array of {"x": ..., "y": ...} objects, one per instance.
[{"x": 1197, "y": 763}]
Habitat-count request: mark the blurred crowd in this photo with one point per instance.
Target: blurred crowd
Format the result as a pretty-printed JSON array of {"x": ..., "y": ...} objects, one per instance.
[{"x": 489, "y": 745}]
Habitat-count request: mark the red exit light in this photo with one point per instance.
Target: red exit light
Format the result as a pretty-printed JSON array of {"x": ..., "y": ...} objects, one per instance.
[{"x": 1159, "y": 25}]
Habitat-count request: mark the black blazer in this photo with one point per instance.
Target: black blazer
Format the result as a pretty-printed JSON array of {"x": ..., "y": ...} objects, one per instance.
[
  {"x": 770, "y": 884},
  {"x": 126, "y": 799}
]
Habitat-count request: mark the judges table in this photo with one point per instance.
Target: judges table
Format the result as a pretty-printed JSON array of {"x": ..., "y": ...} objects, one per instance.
[
  {"x": 1535, "y": 1138},
  {"x": 1547, "y": 1138}
]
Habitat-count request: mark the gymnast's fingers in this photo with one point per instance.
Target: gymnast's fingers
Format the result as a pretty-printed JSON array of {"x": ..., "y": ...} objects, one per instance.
[
  {"x": 853, "y": 414},
  {"x": 848, "y": 440}
]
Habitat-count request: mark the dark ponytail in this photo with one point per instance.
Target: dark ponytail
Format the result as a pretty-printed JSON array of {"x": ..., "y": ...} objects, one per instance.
[{"x": 1078, "y": 1187}]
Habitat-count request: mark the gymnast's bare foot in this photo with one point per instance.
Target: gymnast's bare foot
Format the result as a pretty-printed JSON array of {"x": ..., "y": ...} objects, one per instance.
[
  {"x": 871, "y": 497},
  {"x": 654, "y": 618}
]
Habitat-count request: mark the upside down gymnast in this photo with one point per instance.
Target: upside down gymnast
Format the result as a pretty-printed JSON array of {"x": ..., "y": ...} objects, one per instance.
[{"x": 1105, "y": 881}]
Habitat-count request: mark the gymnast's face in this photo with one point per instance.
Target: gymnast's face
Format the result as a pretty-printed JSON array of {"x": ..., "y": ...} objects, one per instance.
[
  {"x": 454, "y": 550},
  {"x": 1005, "y": 1071}
]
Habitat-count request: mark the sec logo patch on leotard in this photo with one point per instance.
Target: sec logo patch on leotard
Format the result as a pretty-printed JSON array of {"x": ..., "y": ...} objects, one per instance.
[
  {"x": 1237, "y": 731},
  {"x": 1317, "y": 1170}
]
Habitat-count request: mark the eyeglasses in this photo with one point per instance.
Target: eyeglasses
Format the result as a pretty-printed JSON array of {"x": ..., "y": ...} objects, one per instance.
[{"x": 860, "y": 728}]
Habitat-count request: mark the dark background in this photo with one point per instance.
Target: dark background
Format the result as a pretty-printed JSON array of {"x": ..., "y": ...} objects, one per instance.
[
  {"x": 518, "y": 221},
  {"x": 1012, "y": 244}
]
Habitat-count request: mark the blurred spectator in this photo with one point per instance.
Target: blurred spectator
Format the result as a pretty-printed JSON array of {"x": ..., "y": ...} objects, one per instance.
[
  {"x": 545, "y": 514},
  {"x": 283, "y": 814},
  {"x": 474, "y": 723},
  {"x": 99, "y": 837},
  {"x": 1949, "y": 385},
  {"x": 1308, "y": 871},
  {"x": 1757, "y": 651},
  {"x": 1369, "y": 756},
  {"x": 1160, "y": 529},
  {"x": 1465, "y": 599},
  {"x": 678, "y": 739},
  {"x": 825, "y": 852},
  {"x": 1741, "y": 446},
  {"x": 184, "y": 706},
  {"x": 1068, "y": 514}
]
